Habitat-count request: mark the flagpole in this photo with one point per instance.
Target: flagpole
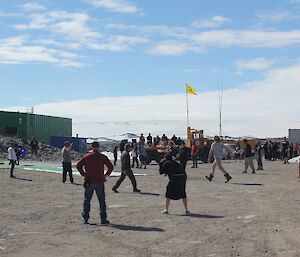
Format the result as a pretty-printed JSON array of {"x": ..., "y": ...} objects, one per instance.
[
  {"x": 187, "y": 109},
  {"x": 220, "y": 107}
]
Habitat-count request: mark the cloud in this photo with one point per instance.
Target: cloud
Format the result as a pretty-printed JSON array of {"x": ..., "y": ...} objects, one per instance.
[
  {"x": 16, "y": 50},
  {"x": 213, "y": 22},
  {"x": 174, "y": 48},
  {"x": 120, "y": 6},
  {"x": 257, "y": 64},
  {"x": 33, "y": 7},
  {"x": 277, "y": 16},
  {"x": 265, "y": 108}
]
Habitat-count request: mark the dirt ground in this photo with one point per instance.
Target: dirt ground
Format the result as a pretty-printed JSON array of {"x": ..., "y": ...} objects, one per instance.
[{"x": 253, "y": 215}]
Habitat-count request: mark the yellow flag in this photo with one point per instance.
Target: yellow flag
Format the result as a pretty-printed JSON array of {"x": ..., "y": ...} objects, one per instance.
[{"x": 190, "y": 90}]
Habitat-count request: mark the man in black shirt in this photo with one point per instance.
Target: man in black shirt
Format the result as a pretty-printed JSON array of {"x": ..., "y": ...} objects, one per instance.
[{"x": 126, "y": 170}]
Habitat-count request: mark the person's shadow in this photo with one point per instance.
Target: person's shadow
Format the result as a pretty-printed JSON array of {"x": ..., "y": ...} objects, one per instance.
[
  {"x": 136, "y": 228},
  {"x": 147, "y": 193},
  {"x": 130, "y": 228},
  {"x": 199, "y": 216},
  {"x": 24, "y": 179},
  {"x": 248, "y": 184}
]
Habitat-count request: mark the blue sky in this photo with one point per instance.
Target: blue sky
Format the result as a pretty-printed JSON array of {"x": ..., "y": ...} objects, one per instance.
[{"x": 66, "y": 50}]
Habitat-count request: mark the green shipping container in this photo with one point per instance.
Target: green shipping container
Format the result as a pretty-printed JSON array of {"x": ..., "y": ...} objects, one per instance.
[{"x": 28, "y": 125}]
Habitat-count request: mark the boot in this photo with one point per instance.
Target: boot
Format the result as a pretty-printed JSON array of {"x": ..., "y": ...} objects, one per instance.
[
  {"x": 228, "y": 177},
  {"x": 210, "y": 177}
]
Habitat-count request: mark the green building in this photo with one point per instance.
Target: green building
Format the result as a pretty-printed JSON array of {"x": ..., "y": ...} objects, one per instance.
[{"x": 28, "y": 125}]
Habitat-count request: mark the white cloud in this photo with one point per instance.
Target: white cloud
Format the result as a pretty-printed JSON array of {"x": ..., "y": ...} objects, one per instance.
[
  {"x": 174, "y": 48},
  {"x": 121, "y": 6},
  {"x": 277, "y": 16},
  {"x": 213, "y": 22},
  {"x": 33, "y": 7},
  {"x": 248, "y": 38},
  {"x": 263, "y": 108},
  {"x": 254, "y": 64},
  {"x": 16, "y": 50}
]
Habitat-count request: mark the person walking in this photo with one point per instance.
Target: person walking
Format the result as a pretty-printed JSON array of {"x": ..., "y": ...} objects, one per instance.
[
  {"x": 126, "y": 170},
  {"x": 248, "y": 157},
  {"x": 259, "y": 149},
  {"x": 12, "y": 157},
  {"x": 94, "y": 163},
  {"x": 67, "y": 162},
  {"x": 177, "y": 182},
  {"x": 216, "y": 150},
  {"x": 115, "y": 155}
]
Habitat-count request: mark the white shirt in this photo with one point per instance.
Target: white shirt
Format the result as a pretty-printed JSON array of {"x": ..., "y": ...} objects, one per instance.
[
  {"x": 217, "y": 149},
  {"x": 12, "y": 154}
]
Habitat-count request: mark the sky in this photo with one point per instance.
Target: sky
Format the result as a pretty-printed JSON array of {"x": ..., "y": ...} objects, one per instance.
[{"x": 117, "y": 66}]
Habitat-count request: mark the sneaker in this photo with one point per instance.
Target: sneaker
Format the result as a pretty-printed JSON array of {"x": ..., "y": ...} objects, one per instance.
[
  {"x": 187, "y": 212},
  {"x": 115, "y": 190},
  {"x": 85, "y": 222},
  {"x": 137, "y": 190},
  {"x": 253, "y": 172},
  {"x": 164, "y": 212},
  {"x": 105, "y": 222},
  {"x": 12, "y": 176},
  {"x": 245, "y": 172}
]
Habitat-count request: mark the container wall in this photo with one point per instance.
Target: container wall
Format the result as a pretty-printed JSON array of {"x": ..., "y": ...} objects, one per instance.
[{"x": 79, "y": 144}]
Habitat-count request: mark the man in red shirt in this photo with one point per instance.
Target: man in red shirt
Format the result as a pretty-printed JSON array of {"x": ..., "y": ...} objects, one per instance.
[{"x": 93, "y": 163}]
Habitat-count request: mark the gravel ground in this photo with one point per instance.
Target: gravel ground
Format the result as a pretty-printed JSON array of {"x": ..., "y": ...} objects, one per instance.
[{"x": 253, "y": 215}]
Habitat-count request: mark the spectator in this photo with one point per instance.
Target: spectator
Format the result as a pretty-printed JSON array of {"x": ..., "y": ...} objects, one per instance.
[
  {"x": 93, "y": 173},
  {"x": 12, "y": 157},
  {"x": 67, "y": 162}
]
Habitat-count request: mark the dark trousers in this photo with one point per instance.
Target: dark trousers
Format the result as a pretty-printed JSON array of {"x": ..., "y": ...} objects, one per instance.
[
  {"x": 259, "y": 163},
  {"x": 135, "y": 160},
  {"x": 130, "y": 174},
  {"x": 88, "y": 193},
  {"x": 12, "y": 167},
  {"x": 67, "y": 168},
  {"x": 195, "y": 160},
  {"x": 183, "y": 164}
]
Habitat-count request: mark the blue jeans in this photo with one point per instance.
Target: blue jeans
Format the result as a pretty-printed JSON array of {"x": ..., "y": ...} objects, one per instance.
[{"x": 88, "y": 193}]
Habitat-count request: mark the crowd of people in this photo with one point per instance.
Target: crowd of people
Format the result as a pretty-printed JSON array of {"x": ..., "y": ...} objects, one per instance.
[{"x": 96, "y": 167}]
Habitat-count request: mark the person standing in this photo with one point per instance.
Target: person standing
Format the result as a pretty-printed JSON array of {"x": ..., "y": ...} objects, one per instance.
[
  {"x": 248, "y": 157},
  {"x": 34, "y": 145},
  {"x": 115, "y": 155},
  {"x": 259, "y": 149},
  {"x": 94, "y": 176},
  {"x": 67, "y": 162},
  {"x": 149, "y": 140},
  {"x": 284, "y": 150},
  {"x": 12, "y": 157},
  {"x": 126, "y": 170},
  {"x": 183, "y": 155},
  {"x": 216, "y": 150},
  {"x": 135, "y": 154},
  {"x": 177, "y": 182},
  {"x": 194, "y": 154},
  {"x": 142, "y": 155}
]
